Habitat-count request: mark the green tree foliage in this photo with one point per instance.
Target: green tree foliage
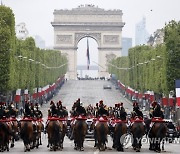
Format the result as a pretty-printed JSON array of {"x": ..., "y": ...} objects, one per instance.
[
  {"x": 172, "y": 41},
  {"x": 152, "y": 68},
  {"x": 22, "y": 64},
  {"x": 7, "y": 37},
  {"x": 35, "y": 67}
]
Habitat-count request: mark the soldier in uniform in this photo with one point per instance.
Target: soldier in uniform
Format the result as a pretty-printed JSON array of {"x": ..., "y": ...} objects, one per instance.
[
  {"x": 61, "y": 110},
  {"x": 38, "y": 113},
  {"x": 79, "y": 109},
  {"x": 157, "y": 112},
  {"x": 2, "y": 110},
  {"x": 27, "y": 110},
  {"x": 101, "y": 110},
  {"x": 53, "y": 109},
  {"x": 12, "y": 111},
  {"x": 136, "y": 111}
]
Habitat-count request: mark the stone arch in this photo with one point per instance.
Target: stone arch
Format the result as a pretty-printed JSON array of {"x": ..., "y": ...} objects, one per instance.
[
  {"x": 80, "y": 36},
  {"x": 105, "y": 26}
]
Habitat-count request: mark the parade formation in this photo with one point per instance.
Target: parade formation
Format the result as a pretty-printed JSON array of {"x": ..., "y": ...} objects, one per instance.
[
  {"x": 106, "y": 120},
  {"x": 51, "y": 102}
]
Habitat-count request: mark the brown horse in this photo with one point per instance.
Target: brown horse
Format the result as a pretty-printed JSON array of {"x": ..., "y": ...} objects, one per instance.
[
  {"x": 26, "y": 133},
  {"x": 120, "y": 131},
  {"x": 63, "y": 129},
  {"x": 101, "y": 132},
  {"x": 54, "y": 135},
  {"x": 15, "y": 131},
  {"x": 5, "y": 135},
  {"x": 137, "y": 130},
  {"x": 40, "y": 129},
  {"x": 80, "y": 130},
  {"x": 157, "y": 134}
]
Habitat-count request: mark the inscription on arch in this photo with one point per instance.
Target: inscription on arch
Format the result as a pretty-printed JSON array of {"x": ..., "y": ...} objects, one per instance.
[
  {"x": 64, "y": 39},
  {"x": 111, "y": 39}
]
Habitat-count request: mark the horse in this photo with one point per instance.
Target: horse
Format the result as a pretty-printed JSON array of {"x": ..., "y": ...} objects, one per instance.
[
  {"x": 63, "y": 129},
  {"x": 54, "y": 135},
  {"x": 156, "y": 135},
  {"x": 137, "y": 130},
  {"x": 79, "y": 133},
  {"x": 4, "y": 136},
  {"x": 40, "y": 129},
  {"x": 15, "y": 130},
  {"x": 26, "y": 133},
  {"x": 101, "y": 131},
  {"x": 119, "y": 135}
]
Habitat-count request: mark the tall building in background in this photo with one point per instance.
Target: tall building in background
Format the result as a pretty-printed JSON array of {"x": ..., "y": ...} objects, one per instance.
[
  {"x": 21, "y": 31},
  {"x": 141, "y": 34},
  {"x": 126, "y": 44},
  {"x": 39, "y": 42}
]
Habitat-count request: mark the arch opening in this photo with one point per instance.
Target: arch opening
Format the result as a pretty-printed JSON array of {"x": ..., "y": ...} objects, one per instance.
[{"x": 82, "y": 58}]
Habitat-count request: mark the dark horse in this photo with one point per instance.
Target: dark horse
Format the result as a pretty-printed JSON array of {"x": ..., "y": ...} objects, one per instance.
[
  {"x": 156, "y": 135},
  {"x": 101, "y": 132},
  {"x": 15, "y": 130},
  {"x": 137, "y": 130},
  {"x": 120, "y": 131},
  {"x": 54, "y": 135},
  {"x": 5, "y": 135},
  {"x": 80, "y": 130},
  {"x": 26, "y": 133}
]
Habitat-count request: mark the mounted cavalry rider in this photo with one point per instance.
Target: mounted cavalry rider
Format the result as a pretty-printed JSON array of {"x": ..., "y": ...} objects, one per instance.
[
  {"x": 123, "y": 113},
  {"x": 27, "y": 110},
  {"x": 136, "y": 111},
  {"x": 2, "y": 110},
  {"x": 157, "y": 112},
  {"x": 12, "y": 111},
  {"x": 38, "y": 113},
  {"x": 101, "y": 110},
  {"x": 79, "y": 109},
  {"x": 61, "y": 110},
  {"x": 53, "y": 109}
]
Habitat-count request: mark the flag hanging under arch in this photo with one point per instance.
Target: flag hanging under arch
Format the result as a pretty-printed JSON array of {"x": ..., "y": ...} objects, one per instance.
[{"x": 88, "y": 56}]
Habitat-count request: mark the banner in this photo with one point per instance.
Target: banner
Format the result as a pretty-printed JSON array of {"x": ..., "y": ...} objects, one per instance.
[{"x": 177, "y": 85}]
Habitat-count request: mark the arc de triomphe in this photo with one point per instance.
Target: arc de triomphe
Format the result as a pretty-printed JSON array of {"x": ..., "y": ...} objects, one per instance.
[{"x": 105, "y": 26}]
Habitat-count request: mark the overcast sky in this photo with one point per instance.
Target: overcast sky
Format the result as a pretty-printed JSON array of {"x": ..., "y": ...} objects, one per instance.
[{"x": 38, "y": 15}]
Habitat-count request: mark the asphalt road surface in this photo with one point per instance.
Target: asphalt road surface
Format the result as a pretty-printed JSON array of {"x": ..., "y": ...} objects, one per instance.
[{"x": 90, "y": 92}]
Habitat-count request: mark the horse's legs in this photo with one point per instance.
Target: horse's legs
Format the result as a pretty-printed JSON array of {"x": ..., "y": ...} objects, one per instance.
[
  {"x": 163, "y": 144},
  {"x": 95, "y": 138}
]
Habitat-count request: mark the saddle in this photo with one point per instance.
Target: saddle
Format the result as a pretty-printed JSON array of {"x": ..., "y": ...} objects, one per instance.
[
  {"x": 137, "y": 119},
  {"x": 81, "y": 117},
  {"x": 28, "y": 118},
  {"x": 157, "y": 119}
]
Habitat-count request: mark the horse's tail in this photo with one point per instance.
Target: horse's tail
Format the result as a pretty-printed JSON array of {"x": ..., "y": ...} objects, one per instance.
[
  {"x": 55, "y": 133},
  {"x": 160, "y": 133},
  {"x": 118, "y": 133},
  {"x": 23, "y": 132},
  {"x": 102, "y": 133},
  {"x": 138, "y": 131}
]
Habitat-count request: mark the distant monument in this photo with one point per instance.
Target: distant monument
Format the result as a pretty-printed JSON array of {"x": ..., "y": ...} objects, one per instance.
[{"x": 105, "y": 26}]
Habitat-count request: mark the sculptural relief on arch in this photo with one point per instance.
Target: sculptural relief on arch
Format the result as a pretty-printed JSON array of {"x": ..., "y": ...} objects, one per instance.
[{"x": 105, "y": 26}]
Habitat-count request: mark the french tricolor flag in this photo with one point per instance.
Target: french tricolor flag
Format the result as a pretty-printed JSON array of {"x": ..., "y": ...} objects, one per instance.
[{"x": 178, "y": 92}]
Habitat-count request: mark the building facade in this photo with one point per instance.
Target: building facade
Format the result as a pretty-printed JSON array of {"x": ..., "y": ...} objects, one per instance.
[
  {"x": 21, "y": 31},
  {"x": 141, "y": 34},
  {"x": 126, "y": 44}
]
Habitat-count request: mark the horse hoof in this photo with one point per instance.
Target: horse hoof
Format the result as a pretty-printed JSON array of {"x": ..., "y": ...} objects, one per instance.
[
  {"x": 120, "y": 149},
  {"x": 12, "y": 145},
  {"x": 82, "y": 149}
]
